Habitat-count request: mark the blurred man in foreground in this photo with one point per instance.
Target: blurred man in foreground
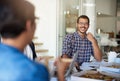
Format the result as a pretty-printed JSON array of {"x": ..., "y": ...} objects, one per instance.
[{"x": 17, "y": 27}]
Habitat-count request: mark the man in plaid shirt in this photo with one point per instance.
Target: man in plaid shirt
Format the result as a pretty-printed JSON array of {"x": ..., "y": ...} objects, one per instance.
[{"x": 81, "y": 42}]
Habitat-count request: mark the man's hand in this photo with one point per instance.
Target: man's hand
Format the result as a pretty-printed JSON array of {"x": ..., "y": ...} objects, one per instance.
[
  {"x": 62, "y": 65},
  {"x": 91, "y": 37}
]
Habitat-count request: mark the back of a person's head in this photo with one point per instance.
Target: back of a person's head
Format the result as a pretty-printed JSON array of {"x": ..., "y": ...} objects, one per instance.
[{"x": 13, "y": 17}]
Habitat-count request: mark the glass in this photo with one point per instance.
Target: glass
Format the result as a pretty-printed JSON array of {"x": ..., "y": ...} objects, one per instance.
[{"x": 85, "y": 24}]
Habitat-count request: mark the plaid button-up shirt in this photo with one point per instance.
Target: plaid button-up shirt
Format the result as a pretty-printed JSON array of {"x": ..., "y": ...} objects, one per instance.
[{"x": 73, "y": 43}]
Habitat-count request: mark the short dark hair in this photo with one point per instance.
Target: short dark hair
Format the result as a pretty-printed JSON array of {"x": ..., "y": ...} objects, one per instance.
[
  {"x": 13, "y": 17},
  {"x": 84, "y": 17}
]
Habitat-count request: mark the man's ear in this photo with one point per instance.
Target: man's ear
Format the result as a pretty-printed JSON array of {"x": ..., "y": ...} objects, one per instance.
[{"x": 28, "y": 24}]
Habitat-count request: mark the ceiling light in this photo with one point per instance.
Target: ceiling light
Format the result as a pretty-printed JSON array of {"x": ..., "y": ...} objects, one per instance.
[
  {"x": 77, "y": 7},
  {"x": 99, "y": 13},
  {"x": 89, "y": 4}
]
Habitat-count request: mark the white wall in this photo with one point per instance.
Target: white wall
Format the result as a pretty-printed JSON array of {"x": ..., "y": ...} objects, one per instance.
[
  {"x": 47, "y": 25},
  {"x": 107, "y": 20},
  {"x": 118, "y": 21},
  {"x": 106, "y": 7},
  {"x": 107, "y": 24}
]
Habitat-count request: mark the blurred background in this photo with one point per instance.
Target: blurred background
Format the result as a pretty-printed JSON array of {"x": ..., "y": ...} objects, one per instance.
[{"x": 58, "y": 18}]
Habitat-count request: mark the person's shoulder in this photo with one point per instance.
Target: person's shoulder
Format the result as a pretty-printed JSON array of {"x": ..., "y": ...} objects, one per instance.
[
  {"x": 41, "y": 71},
  {"x": 36, "y": 71},
  {"x": 41, "y": 66},
  {"x": 28, "y": 62},
  {"x": 35, "y": 68},
  {"x": 70, "y": 35}
]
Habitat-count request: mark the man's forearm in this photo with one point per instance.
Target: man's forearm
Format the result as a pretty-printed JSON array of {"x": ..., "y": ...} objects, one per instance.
[
  {"x": 97, "y": 51},
  {"x": 61, "y": 76}
]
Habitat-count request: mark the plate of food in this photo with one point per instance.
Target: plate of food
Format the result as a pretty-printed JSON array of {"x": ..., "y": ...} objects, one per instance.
[{"x": 91, "y": 76}]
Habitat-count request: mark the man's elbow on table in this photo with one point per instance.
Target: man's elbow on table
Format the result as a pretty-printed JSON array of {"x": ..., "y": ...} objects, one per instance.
[{"x": 99, "y": 58}]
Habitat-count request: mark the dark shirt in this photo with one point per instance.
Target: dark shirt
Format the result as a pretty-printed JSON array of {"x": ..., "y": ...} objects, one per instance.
[{"x": 33, "y": 50}]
